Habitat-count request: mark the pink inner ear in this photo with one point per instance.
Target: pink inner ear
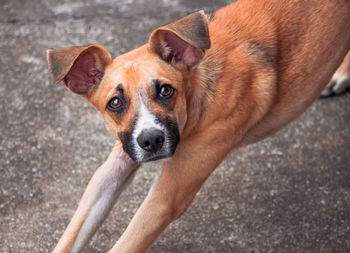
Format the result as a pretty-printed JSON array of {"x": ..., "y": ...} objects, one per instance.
[
  {"x": 83, "y": 75},
  {"x": 181, "y": 51}
]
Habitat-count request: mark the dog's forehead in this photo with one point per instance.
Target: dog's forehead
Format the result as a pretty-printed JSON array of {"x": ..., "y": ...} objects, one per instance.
[{"x": 133, "y": 72}]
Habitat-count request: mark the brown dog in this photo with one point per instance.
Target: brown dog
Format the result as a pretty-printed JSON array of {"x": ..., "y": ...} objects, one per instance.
[{"x": 202, "y": 86}]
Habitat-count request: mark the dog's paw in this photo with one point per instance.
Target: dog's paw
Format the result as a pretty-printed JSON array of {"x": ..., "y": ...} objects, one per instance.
[
  {"x": 338, "y": 85},
  {"x": 340, "y": 81}
]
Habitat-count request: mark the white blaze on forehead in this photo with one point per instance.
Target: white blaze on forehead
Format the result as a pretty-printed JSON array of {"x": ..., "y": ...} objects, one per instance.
[{"x": 145, "y": 120}]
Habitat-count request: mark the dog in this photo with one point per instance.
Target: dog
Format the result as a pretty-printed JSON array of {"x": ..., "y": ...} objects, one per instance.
[{"x": 201, "y": 87}]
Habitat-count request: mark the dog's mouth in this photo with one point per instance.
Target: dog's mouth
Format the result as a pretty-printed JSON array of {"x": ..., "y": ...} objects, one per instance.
[
  {"x": 144, "y": 157},
  {"x": 155, "y": 158}
]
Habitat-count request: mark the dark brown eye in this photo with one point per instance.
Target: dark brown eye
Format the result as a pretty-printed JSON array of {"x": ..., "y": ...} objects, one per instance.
[
  {"x": 166, "y": 91},
  {"x": 114, "y": 104}
]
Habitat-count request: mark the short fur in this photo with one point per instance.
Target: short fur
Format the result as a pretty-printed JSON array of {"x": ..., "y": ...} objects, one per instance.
[{"x": 239, "y": 76}]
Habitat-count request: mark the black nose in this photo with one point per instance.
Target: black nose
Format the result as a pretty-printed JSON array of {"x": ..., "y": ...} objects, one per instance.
[{"x": 151, "y": 140}]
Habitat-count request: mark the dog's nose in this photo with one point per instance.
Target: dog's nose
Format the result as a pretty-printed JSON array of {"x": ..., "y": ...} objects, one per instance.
[{"x": 151, "y": 140}]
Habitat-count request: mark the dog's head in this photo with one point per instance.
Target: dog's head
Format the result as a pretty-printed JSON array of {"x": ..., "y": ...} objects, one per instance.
[{"x": 142, "y": 94}]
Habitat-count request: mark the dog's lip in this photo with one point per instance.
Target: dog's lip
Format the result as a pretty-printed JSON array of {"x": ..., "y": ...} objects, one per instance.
[{"x": 155, "y": 157}]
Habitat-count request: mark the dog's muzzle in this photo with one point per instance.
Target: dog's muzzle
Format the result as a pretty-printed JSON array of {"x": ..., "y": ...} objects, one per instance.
[
  {"x": 151, "y": 138},
  {"x": 151, "y": 144}
]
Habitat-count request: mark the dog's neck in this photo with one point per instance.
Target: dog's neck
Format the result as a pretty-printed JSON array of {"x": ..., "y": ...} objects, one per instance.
[{"x": 201, "y": 87}]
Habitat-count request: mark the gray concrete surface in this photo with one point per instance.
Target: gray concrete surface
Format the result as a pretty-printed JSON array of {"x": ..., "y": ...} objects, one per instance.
[{"x": 290, "y": 193}]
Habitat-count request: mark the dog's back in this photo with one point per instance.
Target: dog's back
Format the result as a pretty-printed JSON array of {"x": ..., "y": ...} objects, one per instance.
[{"x": 310, "y": 39}]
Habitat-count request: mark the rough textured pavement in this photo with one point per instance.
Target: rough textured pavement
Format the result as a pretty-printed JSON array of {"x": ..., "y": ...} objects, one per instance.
[{"x": 290, "y": 193}]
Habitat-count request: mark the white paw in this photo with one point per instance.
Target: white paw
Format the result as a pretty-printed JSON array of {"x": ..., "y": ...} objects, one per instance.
[{"x": 338, "y": 85}]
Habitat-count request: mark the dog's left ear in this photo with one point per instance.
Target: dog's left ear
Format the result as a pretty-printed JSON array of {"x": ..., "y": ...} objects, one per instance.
[{"x": 183, "y": 41}]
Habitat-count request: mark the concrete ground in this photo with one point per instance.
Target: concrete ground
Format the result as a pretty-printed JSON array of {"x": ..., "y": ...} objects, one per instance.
[{"x": 290, "y": 193}]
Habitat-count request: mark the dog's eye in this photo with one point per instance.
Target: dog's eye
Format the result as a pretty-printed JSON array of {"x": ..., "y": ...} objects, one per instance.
[
  {"x": 166, "y": 91},
  {"x": 114, "y": 104}
]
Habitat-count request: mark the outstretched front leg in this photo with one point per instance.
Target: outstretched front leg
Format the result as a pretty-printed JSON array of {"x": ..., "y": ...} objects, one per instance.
[
  {"x": 340, "y": 80},
  {"x": 99, "y": 197},
  {"x": 182, "y": 177}
]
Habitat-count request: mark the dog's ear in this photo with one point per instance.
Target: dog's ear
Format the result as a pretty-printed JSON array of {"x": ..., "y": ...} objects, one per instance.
[
  {"x": 183, "y": 41},
  {"x": 80, "y": 68}
]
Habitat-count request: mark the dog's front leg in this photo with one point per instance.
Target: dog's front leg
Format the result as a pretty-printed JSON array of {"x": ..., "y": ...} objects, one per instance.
[
  {"x": 98, "y": 199},
  {"x": 182, "y": 177}
]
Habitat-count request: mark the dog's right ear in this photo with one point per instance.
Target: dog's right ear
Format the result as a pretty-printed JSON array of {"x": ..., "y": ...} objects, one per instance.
[{"x": 80, "y": 68}]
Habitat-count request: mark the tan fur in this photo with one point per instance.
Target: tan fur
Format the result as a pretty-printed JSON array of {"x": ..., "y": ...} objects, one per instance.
[
  {"x": 267, "y": 62},
  {"x": 344, "y": 68}
]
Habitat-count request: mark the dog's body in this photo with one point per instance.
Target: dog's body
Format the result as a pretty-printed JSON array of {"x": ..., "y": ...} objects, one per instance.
[{"x": 201, "y": 87}]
